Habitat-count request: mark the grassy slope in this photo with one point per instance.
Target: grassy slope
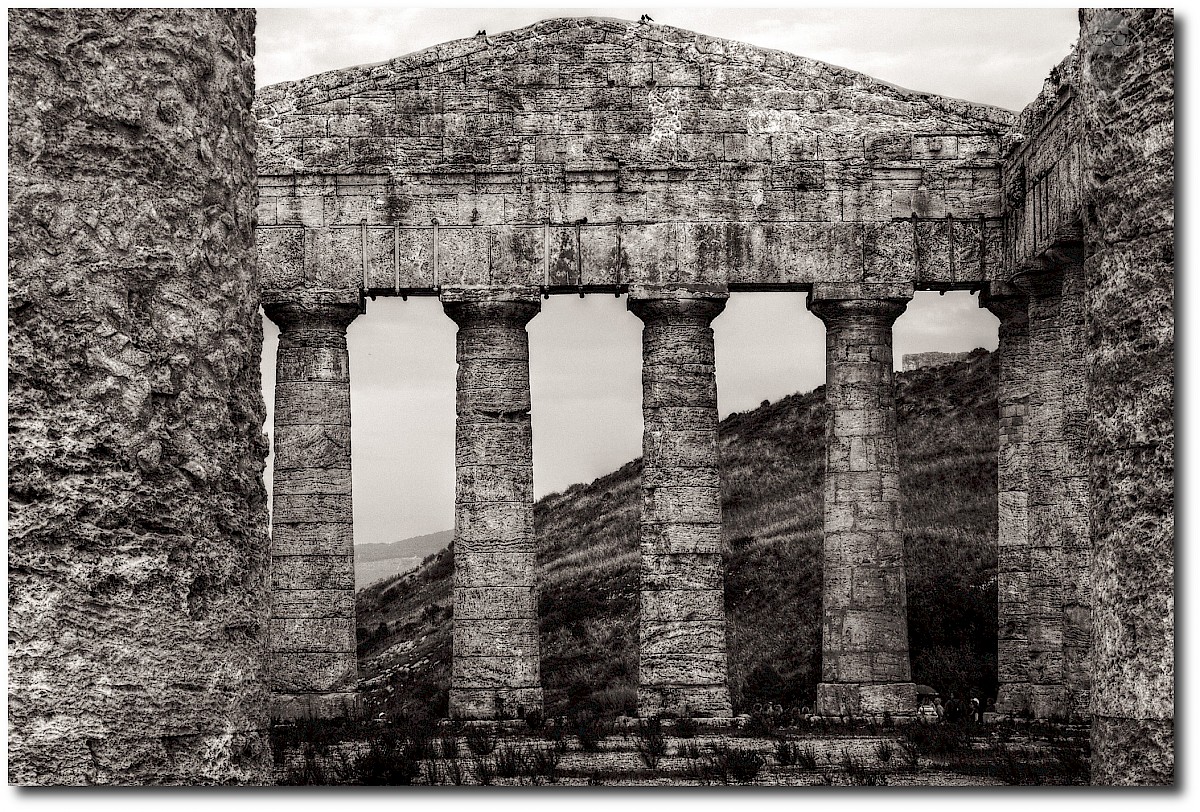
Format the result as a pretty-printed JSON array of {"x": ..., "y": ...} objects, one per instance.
[{"x": 772, "y": 470}]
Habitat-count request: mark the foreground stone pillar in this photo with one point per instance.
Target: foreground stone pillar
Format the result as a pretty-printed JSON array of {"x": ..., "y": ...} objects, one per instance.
[
  {"x": 1076, "y": 533},
  {"x": 496, "y": 655},
  {"x": 314, "y": 663},
  {"x": 682, "y": 664},
  {"x": 137, "y": 543},
  {"x": 865, "y": 660},
  {"x": 1012, "y": 564},
  {"x": 1127, "y": 97},
  {"x": 1049, "y": 527}
]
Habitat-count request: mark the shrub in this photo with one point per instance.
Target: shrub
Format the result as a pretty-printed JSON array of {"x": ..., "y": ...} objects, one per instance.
[
  {"x": 938, "y": 739},
  {"x": 430, "y": 770},
  {"x": 454, "y": 771},
  {"x": 388, "y": 763},
  {"x": 651, "y": 742},
  {"x": 590, "y": 729},
  {"x": 535, "y": 720},
  {"x": 484, "y": 772},
  {"x": 510, "y": 762},
  {"x": 448, "y": 747},
  {"x": 807, "y": 757},
  {"x": 481, "y": 740},
  {"x": 686, "y": 727},
  {"x": 785, "y": 753},
  {"x": 544, "y": 761},
  {"x": 883, "y": 751},
  {"x": 725, "y": 762}
]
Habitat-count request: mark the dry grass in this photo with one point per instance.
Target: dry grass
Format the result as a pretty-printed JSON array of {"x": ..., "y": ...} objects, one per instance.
[{"x": 772, "y": 460}]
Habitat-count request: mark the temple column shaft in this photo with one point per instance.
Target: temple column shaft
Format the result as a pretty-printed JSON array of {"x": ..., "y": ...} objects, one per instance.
[
  {"x": 865, "y": 658},
  {"x": 314, "y": 665},
  {"x": 1076, "y": 504},
  {"x": 1046, "y": 491},
  {"x": 496, "y": 650},
  {"x": 1060, "y": 599},
  {"x": 682, "y": 664},
  {"x": 1012, "y": 565}
]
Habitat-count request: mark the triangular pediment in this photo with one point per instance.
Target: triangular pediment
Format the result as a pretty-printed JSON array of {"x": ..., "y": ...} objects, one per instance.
[{"x": 599, "y": 90}]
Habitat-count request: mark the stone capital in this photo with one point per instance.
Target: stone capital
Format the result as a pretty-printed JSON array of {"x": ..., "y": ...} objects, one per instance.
[
  {"x": 690, "y": 309},
  {"x": 509, "y": 307},
  {"x": 312, "y": 314},
  {"x": 1006, "y": 303},
  {"x": 878, "y": 312}
]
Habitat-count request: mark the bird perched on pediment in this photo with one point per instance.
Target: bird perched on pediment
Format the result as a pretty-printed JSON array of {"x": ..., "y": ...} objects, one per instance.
[{"x": 646, "y": 18}]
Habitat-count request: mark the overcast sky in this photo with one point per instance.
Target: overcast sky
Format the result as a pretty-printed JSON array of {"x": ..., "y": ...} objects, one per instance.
[{"x": 586, "y": 353}]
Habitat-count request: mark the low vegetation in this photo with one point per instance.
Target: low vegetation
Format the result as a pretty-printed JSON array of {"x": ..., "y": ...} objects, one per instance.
[{"x": 772, "y": 460}]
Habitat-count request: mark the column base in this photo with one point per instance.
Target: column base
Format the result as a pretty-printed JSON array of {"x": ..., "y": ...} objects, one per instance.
[
  {"x": 494, "y": 703},
  {"x": 1013, "y": 699},
  {"x": 1049, "y": 702},
  {"x": 866, "y": 699},
  {"x": 684, "y": 700},
  {"x": 296, "y": 707}
]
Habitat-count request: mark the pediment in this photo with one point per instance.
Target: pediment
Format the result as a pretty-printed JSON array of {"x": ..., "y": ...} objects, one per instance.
[{"x": 598, "y": 92}]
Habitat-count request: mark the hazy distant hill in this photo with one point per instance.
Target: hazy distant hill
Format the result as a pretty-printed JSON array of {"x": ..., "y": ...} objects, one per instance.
[
  {"x": 772, "y": 460},
  {"x": 375, "y": 561}
]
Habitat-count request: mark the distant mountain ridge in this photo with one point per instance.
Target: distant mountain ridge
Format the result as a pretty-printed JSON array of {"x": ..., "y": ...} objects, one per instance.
[
  {"x": 772, "y": 473},
  {"x": 376, "y": 561},
  {"x": 417, "y": 546}
]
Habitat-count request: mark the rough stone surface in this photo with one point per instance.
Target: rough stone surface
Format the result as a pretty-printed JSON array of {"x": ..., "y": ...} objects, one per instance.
[
  {"x": 1127, "y": 101},
  {"x": 496, "y": 651},
  {"x": 601, "y": 153},
  {"x": 1013, "y": 542},
  {"x": 137, "y": 517},
  {"x": 864, "y": 655},
  {"x": 314, "y": 665},
  {"x": 682, "y": 666}
]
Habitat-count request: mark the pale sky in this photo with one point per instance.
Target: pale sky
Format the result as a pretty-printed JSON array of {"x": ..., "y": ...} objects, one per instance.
[{"x": 585, "y": 362}]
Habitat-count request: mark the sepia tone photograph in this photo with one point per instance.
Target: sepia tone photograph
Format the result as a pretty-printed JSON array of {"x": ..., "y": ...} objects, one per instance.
[{"x": 591, "y": 397}]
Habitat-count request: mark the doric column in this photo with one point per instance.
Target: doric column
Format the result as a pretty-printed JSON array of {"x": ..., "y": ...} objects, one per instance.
[
  {"x": 1046, "y": 694},
  {"x": 496, "y": 655},
  {"x": 314, "y": 665},
  {"x": 1012, "y": 565},
  {"x": 865, "y": 659},
  {"x": 1076, "y": 502},
  {"x": 682, "y": 663},
  {"x": 1059, "y": 533}
]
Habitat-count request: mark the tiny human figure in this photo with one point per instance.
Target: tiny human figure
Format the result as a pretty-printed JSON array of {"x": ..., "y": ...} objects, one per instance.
[
  {"x": 938, "y": 708},
  {"x": 976, "y": 710}
]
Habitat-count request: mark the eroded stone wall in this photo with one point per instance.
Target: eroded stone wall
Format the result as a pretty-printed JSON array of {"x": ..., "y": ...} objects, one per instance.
[
  {"x": 137, "y": 515},
  {"x": 1127, "y": 101},
  {"x": 601, "y": 153}
]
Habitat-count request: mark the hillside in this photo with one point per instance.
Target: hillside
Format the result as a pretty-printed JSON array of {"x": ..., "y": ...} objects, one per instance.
[
  {"x": 772, "y": 471},
  {"x": 374, "y": 562}
]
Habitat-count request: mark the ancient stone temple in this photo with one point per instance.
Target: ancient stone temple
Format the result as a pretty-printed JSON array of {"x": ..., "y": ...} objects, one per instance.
[
  {"x": 604, "y": 156},
  {"x": 573, "y": 156}
]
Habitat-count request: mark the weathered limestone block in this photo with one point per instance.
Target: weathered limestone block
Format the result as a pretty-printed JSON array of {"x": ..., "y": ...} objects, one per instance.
[
  {"x": 1127, "y": 98},
  {"x": 1057, "y": 537},
  {"x": 496, "y": 651},
  {"x": 312, "y": 542},
  {"x": 1013, "y": 559},
  {"x": 682, "y": 663},
  {"x": 137, "y": 545},
  {"x": 864, "y": 661},
  {"x": 736, "y": 166}
]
